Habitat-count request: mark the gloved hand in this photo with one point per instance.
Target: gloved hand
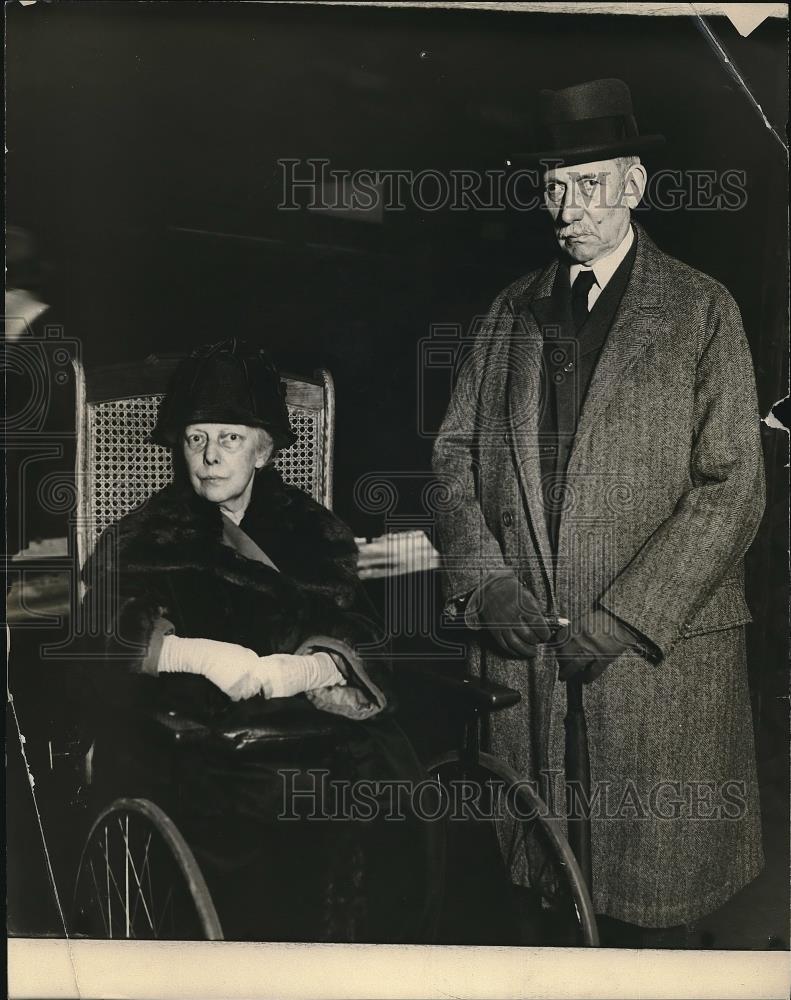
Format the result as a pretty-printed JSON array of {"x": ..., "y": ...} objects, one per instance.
[
  {"x": 240, "y": 673},
  {"x": 283, "y": 675},
  {"x": 509, "y": 613},
  {"x": 225, "y": 664},
  {"x": 598, "y": 639}
]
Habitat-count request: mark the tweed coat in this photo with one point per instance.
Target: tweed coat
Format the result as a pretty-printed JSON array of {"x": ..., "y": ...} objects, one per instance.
[{"x": 664, "y": 493}]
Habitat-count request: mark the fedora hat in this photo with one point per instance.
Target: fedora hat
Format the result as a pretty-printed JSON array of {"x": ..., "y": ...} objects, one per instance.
[{"x": 587, "y": 122}]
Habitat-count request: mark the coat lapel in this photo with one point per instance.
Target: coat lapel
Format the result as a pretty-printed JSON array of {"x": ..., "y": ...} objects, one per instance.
[
  {"x": 552, "y": 310},
  {"x": 633, "y": 327},
  {"x": 237, "y": 539},
  {"x": 523, "y": 393}
]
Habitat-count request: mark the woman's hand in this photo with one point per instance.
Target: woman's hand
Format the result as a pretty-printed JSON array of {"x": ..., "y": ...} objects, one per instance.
[
  {"x": 225, "y": 664},
  {"x": 240, "y": 673},
  {"x": 283, "y": 675}
]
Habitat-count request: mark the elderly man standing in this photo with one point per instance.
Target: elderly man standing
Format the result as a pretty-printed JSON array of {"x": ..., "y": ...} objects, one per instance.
[{"x": 602, "y": 447}]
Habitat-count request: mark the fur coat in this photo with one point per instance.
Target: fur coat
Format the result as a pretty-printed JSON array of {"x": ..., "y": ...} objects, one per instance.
[{"x": 165, "y": 564}]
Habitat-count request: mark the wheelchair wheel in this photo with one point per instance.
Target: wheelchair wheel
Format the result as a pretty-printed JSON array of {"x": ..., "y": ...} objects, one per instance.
[
  {"x": 137, "y": 878},
  {"x": 550, "y": 904}
]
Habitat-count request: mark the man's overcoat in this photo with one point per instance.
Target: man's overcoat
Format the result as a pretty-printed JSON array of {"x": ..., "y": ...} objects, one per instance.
[{"x": 664, "y": 493}]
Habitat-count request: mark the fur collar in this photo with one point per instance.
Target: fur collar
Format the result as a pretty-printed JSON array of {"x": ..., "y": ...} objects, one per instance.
[{"x": 177, "y": 530}]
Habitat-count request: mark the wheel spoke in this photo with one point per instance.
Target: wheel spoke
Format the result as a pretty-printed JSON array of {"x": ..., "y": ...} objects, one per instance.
[
  {"x": 535, "y": 853},
  {"x": 547, "y": 879},
  {"x": 145, "y": 873},
  {"x": 168, "y": 899},
  {"x": 123, "y": 897},
  {"x": 111, "y": 876},
  {"x": 107, "y": 879},
  {"x": 140, "y": 897},
  {"x": 125, "y": 835},
  {"x": 147, "y": 870},
  {"x": 508, "y": 844},
  {"x": 514, "y": 843},
  {"x": 154, "y": 851},
  {"x": 99, "y": 897}
]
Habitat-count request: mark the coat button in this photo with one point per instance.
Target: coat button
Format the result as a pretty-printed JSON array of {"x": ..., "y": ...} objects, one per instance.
[{"x": 508, "y": 518}]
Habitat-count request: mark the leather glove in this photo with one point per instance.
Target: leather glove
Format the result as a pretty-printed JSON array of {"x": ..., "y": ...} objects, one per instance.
[
  {"x": 599, "y": 639},
  {"x": 240, "y": 673},
  {"x": 509, "y": 613}
]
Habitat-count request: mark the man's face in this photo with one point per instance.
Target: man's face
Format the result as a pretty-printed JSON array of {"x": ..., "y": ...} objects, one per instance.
[
  {"x": 590, "y": 205},
  {"x": 222, "y": 458}
]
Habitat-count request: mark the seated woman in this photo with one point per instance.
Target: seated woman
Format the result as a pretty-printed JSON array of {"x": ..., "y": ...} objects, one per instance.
[{"x": 235, "y": 595}]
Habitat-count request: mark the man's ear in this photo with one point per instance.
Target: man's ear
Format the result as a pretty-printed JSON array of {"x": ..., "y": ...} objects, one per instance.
[{"x": 634, "y": 184}]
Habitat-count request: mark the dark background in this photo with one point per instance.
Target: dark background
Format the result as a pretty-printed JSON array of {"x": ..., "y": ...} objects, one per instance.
[{"x": 130, "y": 123}]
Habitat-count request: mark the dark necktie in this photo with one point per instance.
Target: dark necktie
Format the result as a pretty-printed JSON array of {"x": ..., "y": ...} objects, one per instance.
[{"x": 583, "y": 283}]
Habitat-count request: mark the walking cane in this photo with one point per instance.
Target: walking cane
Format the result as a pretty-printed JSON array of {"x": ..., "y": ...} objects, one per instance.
[
  {"x": 578, "y": 771},
  {"x": 578, "y": 778}
]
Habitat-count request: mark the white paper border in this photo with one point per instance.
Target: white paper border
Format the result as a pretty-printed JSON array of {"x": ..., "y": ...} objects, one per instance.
[{"x": 227, "y": 971}]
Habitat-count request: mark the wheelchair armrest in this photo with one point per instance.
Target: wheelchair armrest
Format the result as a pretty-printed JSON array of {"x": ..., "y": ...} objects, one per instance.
[
  {"x": 273, "y": 723},
  {"x": 469, "y": 692},
  {"x": 279, "y": 722},
  {"x": 180, "y": 728}
]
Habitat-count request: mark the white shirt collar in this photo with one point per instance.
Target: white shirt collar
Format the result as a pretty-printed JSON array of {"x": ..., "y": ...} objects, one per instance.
[
  {"x": 236, "y": 516},
  {"x": 605, "y": 267}
]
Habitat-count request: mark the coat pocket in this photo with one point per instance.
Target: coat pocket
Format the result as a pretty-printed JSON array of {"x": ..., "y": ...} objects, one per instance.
[{"x": 726, "y": 608}]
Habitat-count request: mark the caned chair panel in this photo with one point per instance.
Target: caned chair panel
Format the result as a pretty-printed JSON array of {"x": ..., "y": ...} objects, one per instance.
[{"x": 118, "y": 469}]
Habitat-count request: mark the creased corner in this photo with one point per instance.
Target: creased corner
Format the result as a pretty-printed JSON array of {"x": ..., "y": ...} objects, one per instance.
[
  {"x": 733, "y": 71},
  {"x": 746, "y": 17},
  {"x": 779, "y": 416}
]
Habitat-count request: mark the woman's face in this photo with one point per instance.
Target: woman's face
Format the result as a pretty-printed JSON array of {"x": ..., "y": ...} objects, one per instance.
[{"x": 221, "y": 461}]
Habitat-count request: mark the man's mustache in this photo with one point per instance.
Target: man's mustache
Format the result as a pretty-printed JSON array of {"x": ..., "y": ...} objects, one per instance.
[{"x": 564, "y": 232}]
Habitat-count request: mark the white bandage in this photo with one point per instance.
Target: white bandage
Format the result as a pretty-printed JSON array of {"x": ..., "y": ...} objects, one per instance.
[{"x": 241, "y": 673}]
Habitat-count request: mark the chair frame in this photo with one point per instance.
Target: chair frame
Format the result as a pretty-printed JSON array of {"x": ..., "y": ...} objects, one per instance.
[{"x": 130, "y": 380}]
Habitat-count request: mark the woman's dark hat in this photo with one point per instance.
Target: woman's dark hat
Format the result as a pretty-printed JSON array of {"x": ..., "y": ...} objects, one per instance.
[
  {"x": 232, "y": 382},
  {"x": 588, "y": 122}
]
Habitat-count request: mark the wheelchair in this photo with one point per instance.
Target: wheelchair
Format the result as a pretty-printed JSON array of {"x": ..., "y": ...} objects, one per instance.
[{"x": 137, "y": 876}]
